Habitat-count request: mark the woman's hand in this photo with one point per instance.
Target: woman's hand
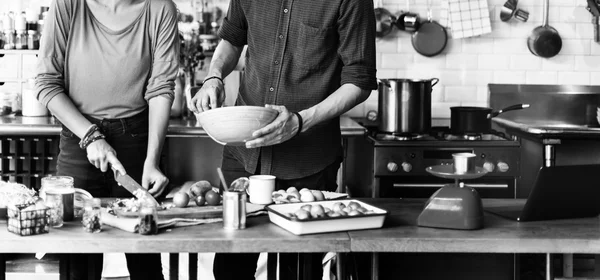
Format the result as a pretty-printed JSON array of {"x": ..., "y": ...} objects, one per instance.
[
  {"x": 283, "y": 128},
  {"x": 210, "y": 96},
  {"x": 101, "y": 155},
  {"x": 153, "y": 179}
]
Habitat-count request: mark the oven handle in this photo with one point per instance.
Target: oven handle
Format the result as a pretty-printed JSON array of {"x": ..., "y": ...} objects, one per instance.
[{"x": 397, "y": 185}]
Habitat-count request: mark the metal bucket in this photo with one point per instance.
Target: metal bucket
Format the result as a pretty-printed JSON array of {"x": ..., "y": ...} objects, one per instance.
[{"x": 405, "y": 105}]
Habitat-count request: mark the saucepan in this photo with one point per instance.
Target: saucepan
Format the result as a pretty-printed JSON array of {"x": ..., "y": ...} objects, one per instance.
[{"x": 465, "y": 120}]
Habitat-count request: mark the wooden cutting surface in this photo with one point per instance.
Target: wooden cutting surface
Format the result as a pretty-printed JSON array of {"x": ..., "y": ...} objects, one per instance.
[{"x": 193, "y": 212}]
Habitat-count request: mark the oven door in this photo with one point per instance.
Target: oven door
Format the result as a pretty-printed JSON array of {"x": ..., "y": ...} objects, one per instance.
[{"x": 425, "y": 186}]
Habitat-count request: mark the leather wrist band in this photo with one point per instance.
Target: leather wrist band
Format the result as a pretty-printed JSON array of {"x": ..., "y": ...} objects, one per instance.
[
  {"x": 93, "y": 128},
  {"x": 92, "y": 139},
  {"x": 300, "y": 122},
  {"x": 212, "y": 77}
]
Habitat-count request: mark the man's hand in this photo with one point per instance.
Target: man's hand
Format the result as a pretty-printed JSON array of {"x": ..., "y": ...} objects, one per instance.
[
  {"x": 283, "y": 128},
  {"x": 153, "y": 179},
  {"x": 101, "y": 155},
  {"x": 210, "y": 96}
]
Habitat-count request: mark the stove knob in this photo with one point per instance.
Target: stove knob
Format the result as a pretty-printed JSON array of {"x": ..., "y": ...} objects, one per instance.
[
  {"x": 407, "y": 167},
  {"x": 488, "y": 166},
  {"x": 392, "y": 166},
  {"x": 502, "y": 166}
]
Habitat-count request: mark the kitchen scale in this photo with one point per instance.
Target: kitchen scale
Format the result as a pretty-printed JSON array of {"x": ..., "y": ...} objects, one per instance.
[{"x": 454, "y": 206}]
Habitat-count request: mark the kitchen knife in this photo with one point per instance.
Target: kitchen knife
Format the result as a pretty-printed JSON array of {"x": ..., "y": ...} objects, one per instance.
[{"x": 134, "y": 188}]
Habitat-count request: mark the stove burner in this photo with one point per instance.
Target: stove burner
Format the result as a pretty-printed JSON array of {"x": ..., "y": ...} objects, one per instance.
[{"x": 397, "y": 137}]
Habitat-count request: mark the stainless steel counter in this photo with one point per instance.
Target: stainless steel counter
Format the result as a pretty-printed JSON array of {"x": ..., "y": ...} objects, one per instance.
[
  {"x": 548, "y": 129},
  {"x": 18, "y": 125}
]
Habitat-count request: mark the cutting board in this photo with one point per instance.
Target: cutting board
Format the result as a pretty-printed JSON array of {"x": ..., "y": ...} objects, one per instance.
[{"x": 193, "y": 212}]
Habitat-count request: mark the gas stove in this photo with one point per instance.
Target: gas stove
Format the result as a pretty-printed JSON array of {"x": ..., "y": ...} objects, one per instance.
[{"x": 399, "y": 162}]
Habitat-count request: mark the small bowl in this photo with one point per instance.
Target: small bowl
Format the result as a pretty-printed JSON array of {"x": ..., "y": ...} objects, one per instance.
[{"x": 233, "y": 126}]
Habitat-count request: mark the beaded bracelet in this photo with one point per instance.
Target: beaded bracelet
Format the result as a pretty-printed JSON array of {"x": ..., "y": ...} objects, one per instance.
[
  {"x": 93, "y": 128},
  {"x": 300, "y": 122},
  {"x": 92, "y": 139},
  {"x": 212, "y": 77}
]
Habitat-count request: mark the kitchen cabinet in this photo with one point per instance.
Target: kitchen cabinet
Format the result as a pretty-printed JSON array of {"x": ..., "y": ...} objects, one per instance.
[{"x": 16, "y": 67}]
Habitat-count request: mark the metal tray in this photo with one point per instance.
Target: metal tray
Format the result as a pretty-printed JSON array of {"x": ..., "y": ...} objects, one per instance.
[{"x": 278, "y": 215}]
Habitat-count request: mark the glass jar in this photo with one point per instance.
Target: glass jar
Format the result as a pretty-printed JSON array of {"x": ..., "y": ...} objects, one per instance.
[
  {"x": 91, "y": 219},
  {"x": 148, "y": 220},
  {"x": 21, "y": 40},
  {"x": 54, "y": 203},
  {"x": 33, "y": 42},
  {"x": 9, "y": 39},
  {"x": 5, "y": 103},
  {"x": 63, "y": 186}
]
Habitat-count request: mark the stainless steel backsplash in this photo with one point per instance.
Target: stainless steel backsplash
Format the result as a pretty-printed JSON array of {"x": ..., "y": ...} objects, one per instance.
[{"x": 554, "y": 103}]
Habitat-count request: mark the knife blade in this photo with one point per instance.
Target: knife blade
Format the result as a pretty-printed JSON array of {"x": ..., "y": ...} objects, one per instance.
[{"x": 134, "y": 188}]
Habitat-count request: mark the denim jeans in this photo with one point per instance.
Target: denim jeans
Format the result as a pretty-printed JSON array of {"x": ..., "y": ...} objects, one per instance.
[
  {"x": 245, "y": 263},
  {"x": 129, "y": 138}
]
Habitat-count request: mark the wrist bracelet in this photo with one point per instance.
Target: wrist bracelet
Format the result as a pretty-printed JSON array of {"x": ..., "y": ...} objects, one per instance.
[
  {"x": 93, "y": 128},
  {"x": 93, "y": 139},
  {"x": 300, "y": 121},
  {"x": 212, "y": 77}
]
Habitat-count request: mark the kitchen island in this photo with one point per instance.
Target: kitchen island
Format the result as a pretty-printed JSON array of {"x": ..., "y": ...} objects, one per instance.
[{"x": 399, "y": 235}]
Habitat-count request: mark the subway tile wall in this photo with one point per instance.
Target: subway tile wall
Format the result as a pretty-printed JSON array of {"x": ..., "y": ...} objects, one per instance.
[{"x": 467, "y": 65}]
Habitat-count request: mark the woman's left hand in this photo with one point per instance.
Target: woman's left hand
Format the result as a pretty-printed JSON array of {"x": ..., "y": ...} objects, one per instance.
[
  {"x": 154, "y": 180},
  {"x": 283, "y": 128}
]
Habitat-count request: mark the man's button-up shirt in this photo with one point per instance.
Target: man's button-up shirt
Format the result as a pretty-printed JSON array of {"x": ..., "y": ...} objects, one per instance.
[{"x": 300, "y": 52}]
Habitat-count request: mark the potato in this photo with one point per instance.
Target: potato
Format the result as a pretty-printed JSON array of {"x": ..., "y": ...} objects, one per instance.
[
  {"x": 317, "y": 211},
  {"x": 302, "y": 214},
  {"x": 318, "y": 195},
  {"x": 307, "y": 197}
]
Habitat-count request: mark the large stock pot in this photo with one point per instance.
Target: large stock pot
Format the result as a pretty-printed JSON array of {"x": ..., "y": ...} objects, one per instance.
[{"x": 405, "y": 105}]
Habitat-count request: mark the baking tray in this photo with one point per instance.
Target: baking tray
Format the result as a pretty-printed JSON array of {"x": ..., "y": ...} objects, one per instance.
[{"x": 278, "y": 215}]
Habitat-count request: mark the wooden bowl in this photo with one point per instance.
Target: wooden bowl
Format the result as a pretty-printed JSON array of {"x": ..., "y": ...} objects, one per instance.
[{"x": 234, "y": 125}]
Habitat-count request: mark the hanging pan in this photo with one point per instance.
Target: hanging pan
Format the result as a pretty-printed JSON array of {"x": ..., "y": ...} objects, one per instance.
[
  {"x": 431, "y": 37},
  {"x": 544, "y": 40}
]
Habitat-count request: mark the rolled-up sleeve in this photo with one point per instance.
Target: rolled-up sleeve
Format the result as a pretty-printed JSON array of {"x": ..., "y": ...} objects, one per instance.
[
  {"x": 357, "y": 44},
  {"x": 50, "y": 80},
  {"x": 235, "y": 27},
  {"x": 166, "y": 55}
]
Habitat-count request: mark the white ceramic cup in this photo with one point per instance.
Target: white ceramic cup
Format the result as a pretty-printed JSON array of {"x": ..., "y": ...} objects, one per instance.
[{"x": 261, "y": 188}]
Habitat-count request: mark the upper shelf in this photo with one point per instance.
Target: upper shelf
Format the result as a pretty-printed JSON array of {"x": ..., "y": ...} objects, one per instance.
[{"x": 18, "y": 51}]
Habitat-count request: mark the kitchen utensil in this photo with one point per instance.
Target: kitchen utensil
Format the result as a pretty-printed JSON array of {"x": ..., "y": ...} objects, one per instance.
[
  {"x": 405, "y": 105},
  {"x": 593, "y": 8},
  {"x": 463, "y": 163},
  {"x": 508, "y": 10},
  {"x": 454, "y": 207},
  {"x": 134, "y": 188},
  {"x": 279, "y": 214},
  {"x": 384, "y": 20},
  {"x": 544, "y": 41},
  {"x": 222, "y": 178},
  {"x": 522, "y": 15},
  {"x": 465, "y": 120},
  {"x": 431, "y": 38},
  {"x": 261, "y": 188},
  {"x": 447, "y": 171},
  {"x": 234, "y": 210},
  {"x": 234, "y": 125},
  {"x": 408, "y": 21}
]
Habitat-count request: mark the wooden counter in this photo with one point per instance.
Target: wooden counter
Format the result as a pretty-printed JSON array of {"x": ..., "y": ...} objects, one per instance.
[
  {"x": 178, "y": 127},
  {"x": 499, "y": 235},
  {"x": 399, "y": 234},
  {"x": 259, "y": 236}
]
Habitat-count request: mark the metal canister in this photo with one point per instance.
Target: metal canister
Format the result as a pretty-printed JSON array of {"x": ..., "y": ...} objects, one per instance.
[{"x": 234, "y": 210}]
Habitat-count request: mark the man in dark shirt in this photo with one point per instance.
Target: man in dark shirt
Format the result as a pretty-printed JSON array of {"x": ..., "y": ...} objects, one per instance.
[{"x": 310, "y": 60}]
